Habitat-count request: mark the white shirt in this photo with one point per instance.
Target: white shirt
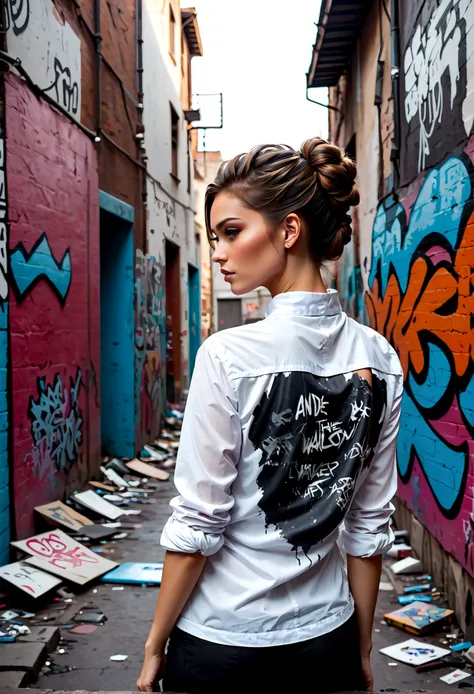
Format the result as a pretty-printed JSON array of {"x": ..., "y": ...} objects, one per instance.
[{"x": 282, "y": 449}]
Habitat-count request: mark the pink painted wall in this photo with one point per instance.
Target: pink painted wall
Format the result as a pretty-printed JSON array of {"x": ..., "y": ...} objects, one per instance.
[{"x": 54, "y": 302}]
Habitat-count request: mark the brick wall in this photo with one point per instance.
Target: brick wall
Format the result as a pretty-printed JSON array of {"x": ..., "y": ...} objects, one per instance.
[{"x": 54, "y": 303}]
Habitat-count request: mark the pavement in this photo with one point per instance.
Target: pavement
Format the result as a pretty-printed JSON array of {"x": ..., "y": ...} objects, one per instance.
[{"x": 84, "y": 659}]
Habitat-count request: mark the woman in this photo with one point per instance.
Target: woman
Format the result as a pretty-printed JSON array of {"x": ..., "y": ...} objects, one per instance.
[{"x": 288, "y": 442}]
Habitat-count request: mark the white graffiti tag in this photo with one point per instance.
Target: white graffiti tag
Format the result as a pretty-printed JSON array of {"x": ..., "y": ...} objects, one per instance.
[
  {"x": 343, "y": 489},
  {"x": 434, "y": 51}
]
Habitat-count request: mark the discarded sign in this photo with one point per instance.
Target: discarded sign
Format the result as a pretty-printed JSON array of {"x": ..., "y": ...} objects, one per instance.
[
  {"x": 455, "y": 676},
  {"x": 148, "y": 470},
  {"x": 419, "y": 617},
  {"x": 92, "y": 501},
  {"x": 113, "y": 476},
  {"x": 409, "y": 565},
  {"x": 59, "y": 554},
  {"x": 58, "y": 513},
  {"x": 135, "y": 572},
  {"x": 414, "y": 652},
  {"x": 28, "y": 578}
]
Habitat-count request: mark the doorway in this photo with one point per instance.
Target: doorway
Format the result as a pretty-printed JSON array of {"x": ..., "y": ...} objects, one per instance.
[
  {"x": 117, "y": 355},
  {"x": 173, "y": 323},
  {"x": 229, "y": 313},
  {"x": 194, "y": 307}
]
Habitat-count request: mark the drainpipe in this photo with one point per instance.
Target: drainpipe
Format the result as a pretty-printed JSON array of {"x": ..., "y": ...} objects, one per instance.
[
  {"x": 395, "y": 74},
  {"x": 143, "y": 174},
  {"x": 98, "y": 46}
]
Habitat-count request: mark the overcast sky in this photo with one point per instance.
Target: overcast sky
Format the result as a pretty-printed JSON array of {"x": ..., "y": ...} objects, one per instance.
[{"x": 257, "y": 53}]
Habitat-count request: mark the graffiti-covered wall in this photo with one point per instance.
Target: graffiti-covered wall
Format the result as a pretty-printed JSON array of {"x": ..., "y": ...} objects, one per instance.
[
  {"x": 416, "y": 252},
  {"x": 54, "y": 300},
  {"x": 421, "y": 278}
]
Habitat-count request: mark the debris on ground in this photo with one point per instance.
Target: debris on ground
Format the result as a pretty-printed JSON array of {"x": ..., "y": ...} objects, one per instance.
[{"x": 70, "y": 553}]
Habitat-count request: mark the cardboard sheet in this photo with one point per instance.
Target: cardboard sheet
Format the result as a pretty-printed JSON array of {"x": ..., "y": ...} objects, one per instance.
[
  {"x": 148, "y": 470},
  {"x": 29, "y": 579},
  {"x": 57, "y": 553},
  {"x": 58, "y": 514}
]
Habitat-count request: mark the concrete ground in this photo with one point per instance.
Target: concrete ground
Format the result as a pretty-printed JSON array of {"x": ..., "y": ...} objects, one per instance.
[{"x": 129, "y": 613}]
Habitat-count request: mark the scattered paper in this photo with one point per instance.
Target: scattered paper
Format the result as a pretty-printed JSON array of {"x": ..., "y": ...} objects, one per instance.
[
  {"x": 9, "y": 615},
  {"x": 384, "y": 585},
  {"x": 118, "y": 658},
  {"x": 91, "y": 500},
  {"x": 409, "y": 565},
  {"x": 114, "y": 477},
  {"x": 32, "y": 581},
  {"x": 455, "y": 676},
  {"x": 400, "y": 551},
  {"x": 414, "y": 652}
]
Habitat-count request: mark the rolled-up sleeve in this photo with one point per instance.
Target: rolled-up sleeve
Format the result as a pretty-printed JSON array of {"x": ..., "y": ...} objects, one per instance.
[
  {"x": 366, "y": 531},
  {"x": 206, "y": 465}
]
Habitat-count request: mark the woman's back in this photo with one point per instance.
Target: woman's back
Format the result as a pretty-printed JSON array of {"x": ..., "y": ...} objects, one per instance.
[{"x": 294, "y": 440}]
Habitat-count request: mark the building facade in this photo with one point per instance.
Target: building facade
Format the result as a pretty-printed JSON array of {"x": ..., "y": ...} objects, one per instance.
[
  {"x": 99, "y": 260},
  {"x": 402, "y": 102},
  {"x": 171, "y": 39}
]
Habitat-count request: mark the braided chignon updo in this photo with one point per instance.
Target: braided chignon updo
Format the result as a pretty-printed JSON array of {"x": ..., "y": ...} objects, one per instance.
[{"x": 316, "y": 182}]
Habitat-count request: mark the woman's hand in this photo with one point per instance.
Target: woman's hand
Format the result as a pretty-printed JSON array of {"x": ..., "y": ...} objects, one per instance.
[
  {"x": 152, "y": 671},
  {"x": 367, "y": 673}
]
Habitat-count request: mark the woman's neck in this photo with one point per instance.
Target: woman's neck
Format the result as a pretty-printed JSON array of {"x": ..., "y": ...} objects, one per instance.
[{"x": 306, "y": 278}]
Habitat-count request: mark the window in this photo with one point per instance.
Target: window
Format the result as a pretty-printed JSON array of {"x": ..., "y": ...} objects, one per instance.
[
  {"x": 172, "y": 31},
  {"x": 174, "y": 141}
]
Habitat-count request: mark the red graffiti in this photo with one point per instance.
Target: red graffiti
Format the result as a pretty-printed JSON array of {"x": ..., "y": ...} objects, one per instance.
[{"x": 55, "y": 551}]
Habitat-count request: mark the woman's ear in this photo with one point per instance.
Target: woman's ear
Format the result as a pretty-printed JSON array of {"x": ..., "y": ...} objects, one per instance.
[{"x": 292, "y": 229}]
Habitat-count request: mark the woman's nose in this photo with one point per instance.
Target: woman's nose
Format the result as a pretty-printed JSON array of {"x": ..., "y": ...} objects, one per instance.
[{"x": 218, "y": 255}]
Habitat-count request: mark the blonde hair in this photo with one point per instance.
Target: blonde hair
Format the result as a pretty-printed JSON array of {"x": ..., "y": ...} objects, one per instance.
[{"x": 316, "y": 182}]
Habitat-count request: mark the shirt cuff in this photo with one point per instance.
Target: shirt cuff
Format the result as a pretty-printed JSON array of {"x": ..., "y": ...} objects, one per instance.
[
  {"x": 366, "y": 545},
  {"x": 179, "y": 537}
]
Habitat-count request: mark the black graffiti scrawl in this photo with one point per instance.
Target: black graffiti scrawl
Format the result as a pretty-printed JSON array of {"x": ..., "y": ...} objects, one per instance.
[{"x": 316, "y": 435}]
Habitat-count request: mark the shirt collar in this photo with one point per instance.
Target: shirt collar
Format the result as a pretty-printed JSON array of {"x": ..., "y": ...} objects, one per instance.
[{"x": 306, "y": 303}]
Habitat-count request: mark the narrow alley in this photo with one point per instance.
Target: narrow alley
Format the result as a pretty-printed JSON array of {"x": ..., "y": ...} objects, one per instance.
[
  {"x": 264, "y": 209},
  {"x": 82, "y": 661}
]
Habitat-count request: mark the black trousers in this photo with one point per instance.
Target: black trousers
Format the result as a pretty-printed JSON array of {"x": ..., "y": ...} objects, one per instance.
[{"x": 329, "y": 663}]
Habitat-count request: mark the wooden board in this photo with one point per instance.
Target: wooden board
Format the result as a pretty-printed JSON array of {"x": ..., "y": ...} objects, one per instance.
[
  {"x": 148, "y": 470},
  {"x": 104, "y": 487},
  {"x": 60, "y": 555},
  {"x": 95, "y": 503},
  {"x": 29, "y": 579},
  {"x": 58, "y": 514}
]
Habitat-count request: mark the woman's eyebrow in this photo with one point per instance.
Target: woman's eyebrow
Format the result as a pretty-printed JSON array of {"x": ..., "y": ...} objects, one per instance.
[{"x": 220, "y": 224}]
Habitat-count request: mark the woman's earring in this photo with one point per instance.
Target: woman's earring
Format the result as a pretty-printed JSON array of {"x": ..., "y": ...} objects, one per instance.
[{"x": 287, "y": 245}]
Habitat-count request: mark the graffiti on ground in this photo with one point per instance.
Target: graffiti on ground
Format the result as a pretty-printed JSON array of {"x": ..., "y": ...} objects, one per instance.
[
  {"x": 421, "y": 298},
  {"x": 56, "y": 425}
]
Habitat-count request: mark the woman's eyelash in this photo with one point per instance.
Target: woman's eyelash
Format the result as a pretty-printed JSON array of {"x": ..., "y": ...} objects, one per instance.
[{"x": 231, "y": 232}]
